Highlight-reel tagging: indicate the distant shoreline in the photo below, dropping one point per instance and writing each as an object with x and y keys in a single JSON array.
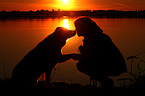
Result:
[{"x": 54, "y": 14}]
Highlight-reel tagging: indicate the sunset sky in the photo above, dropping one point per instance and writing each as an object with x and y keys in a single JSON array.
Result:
[{"x": 24, "y": 5}]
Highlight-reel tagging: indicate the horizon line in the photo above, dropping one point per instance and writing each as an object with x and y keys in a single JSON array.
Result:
[{"x": 73, "y": 10}]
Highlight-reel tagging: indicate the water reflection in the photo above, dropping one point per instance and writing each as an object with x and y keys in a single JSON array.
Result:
[
  {"x": 66, "y": 23},
  {"x": 18, "y": 37}
]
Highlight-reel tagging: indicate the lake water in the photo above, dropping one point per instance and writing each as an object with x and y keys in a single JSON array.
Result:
[{"x": 19, "y": 36}]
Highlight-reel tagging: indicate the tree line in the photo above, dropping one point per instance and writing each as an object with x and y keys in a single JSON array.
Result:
[{"x": 58, "y": 13}]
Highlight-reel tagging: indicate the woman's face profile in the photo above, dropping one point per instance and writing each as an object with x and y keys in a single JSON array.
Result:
[
  {"x": 79, "y": 31},
  {"x": 84, "y": 26}
]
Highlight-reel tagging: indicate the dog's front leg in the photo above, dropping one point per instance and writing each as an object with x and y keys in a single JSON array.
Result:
[{"x": 47, "y": 76}]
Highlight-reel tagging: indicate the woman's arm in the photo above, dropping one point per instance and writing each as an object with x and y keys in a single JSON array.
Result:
[
  {"x": 76, "y": 56},
  {"x": 66, "y": 57}
]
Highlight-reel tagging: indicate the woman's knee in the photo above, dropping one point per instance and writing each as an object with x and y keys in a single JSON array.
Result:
[
  {"x": 106, "y": 82},
  {"x": 83, "y": 69},
  {"x": 79, "y": 68}
]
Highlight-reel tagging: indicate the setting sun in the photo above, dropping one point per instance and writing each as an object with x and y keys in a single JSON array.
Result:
[
  {"x": 65, "y": 1},
  {"x": 64, "y": 5}
]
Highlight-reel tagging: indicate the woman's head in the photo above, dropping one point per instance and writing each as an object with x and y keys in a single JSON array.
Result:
[{"x": 86, "y": 27}]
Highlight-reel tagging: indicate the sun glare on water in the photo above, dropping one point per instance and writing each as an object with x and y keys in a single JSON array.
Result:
[{"x": 66, "y": 23}]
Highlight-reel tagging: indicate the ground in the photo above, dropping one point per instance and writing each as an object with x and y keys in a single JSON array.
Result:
[{"x": 65, "y": 89}]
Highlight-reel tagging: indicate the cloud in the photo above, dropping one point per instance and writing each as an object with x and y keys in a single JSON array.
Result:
[{"x": 121, "y": 4}]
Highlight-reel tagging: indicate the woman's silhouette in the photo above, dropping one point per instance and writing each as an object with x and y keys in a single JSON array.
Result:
[{"x": 99, "y": 57}]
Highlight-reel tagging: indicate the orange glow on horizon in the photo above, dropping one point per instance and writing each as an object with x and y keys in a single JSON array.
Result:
[{"x": 10, "y": 5}]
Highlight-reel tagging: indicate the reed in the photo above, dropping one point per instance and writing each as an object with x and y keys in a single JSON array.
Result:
[{"x": 136, "y": 80}]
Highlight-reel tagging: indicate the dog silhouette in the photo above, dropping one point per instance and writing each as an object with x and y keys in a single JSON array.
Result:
[{"x": 42, "y": 59}]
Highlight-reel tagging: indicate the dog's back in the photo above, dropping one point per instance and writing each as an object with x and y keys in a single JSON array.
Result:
[{"x": 37, "y": 61}]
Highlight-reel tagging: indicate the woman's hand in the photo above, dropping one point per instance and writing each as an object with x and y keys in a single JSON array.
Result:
[
  {"x": 76, "y": 56},
  {"x": 81, "y": 49}
]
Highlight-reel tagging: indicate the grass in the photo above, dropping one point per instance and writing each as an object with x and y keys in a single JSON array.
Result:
[
  {"x": 134, "y": 84},
  {"x": 137, "y": 80}
]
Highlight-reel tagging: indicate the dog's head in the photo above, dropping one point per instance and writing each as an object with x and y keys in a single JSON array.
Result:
[{"x": 63, "y": 33}]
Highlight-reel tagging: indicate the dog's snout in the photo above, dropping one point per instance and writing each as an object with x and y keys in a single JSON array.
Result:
[{"x": 73, "y": 32}]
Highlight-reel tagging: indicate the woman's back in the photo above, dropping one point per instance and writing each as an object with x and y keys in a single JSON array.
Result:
[{"x": 103, "y": 56}]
